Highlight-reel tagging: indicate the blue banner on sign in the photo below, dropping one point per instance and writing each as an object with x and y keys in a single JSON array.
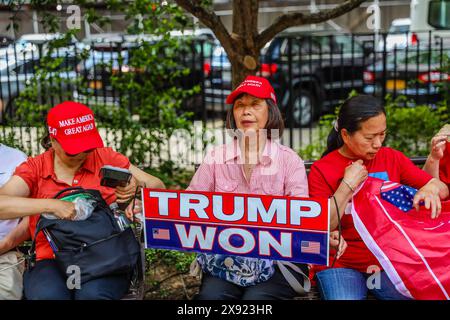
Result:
[{"x": 277, "y": 244}]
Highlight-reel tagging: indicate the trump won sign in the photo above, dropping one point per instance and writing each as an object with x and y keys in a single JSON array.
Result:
[{"x": 260, "y": 226}]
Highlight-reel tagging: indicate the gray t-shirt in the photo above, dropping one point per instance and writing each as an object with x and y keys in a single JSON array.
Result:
[{"x": 10, "y": 158}]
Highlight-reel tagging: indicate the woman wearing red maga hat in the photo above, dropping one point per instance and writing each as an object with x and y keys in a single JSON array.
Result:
[
  {"x": 75, "y": 153},
  {"x": 254, "y": 162}
]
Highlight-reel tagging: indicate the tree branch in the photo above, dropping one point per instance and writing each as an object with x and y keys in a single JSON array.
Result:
[
  {"x": 296, "y": 19},
  {"x": 209, "y": 19}
]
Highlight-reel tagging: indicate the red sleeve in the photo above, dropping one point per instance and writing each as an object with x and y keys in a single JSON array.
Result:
[
  {"x": 114, "y": 158},
  {"x": 444, "y": 166},
  {"x": 410, "y": 174},
  {"x": 318, "y": 186},
  {"x": 29, "y": 172}
]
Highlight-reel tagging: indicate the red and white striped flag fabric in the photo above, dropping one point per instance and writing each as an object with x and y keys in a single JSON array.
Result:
[{"x": 412, "y": 248}]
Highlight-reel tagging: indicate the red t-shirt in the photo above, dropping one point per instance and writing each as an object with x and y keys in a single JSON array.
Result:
[
  {"x": 39, "y": 174},
  {"x": 444, "y": 166},
  {"x": 326, "y": 175}
]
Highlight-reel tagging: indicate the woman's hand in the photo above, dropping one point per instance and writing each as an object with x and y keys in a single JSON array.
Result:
[
  {"x": 355, "y": 174},
  {"x": 429, "y": 193},
  {"x": 125, "y": 194},
  {"x": 438, "y": 146},
  {"x": 62, "y": 209},
  {"x": 130, "y": 212},
  {"x": 334, "y": 242}
]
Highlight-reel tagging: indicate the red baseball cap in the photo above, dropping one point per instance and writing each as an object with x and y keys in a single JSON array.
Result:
[
  {"x": 256, "y": 86},
  {"x": 72, "y": 124}
]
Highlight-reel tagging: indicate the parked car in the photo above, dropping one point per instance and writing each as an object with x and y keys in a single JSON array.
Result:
[
  {"x": 398, "y": 35},
  {"x": 416, "y": 73},
  {"x": 17, "y": 73},
  {"x": 430, "y": 16},
  {"x": 310, "y": 73}
]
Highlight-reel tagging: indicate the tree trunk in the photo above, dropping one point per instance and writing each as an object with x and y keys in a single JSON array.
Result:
[
  {"x": 243, "y": 65},
  {"x": 245, "y": 42}
]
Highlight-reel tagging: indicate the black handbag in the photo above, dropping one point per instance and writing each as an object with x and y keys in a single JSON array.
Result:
[{"x": 97, "y": 245}]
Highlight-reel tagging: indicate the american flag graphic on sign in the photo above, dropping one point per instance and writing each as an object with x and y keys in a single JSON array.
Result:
[
  {"x": 310, "y": 247},
  {"x": 161, "y": 234}
]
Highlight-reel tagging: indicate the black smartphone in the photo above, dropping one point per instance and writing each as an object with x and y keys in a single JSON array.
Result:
[{"x": 114, "y": 177}]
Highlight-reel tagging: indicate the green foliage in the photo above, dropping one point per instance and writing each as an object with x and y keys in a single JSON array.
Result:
[
  {"x": 410, "y": 127},
  {"x": 180, "y": 260},
  {"x": 150, "y": 98}
]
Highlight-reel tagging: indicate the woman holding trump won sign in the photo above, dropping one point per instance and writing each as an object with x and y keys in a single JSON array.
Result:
[{"x": 254, "y": 162}]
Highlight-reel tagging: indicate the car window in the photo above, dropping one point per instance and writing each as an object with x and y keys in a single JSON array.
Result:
[
  {"x": 399, "y": 29},
  {"x": 439, "y": 14},
  {"x": 420, "y": 58},
  {"x": 346, "y": 44},
  {"x": 29, "y": 67},
  {"x": 303, "y": 45}
]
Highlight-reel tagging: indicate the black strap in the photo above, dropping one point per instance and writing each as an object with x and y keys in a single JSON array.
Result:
[
  {"x": 32, "y": 251},
  {"x": 71, "y": 189}
]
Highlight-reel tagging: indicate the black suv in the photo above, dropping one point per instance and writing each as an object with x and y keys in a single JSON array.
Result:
[{"x": 310, "y": 72}]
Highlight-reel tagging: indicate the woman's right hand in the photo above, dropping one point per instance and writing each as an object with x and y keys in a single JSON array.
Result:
[
  {"x": 62, "y": 209},
  {"x": 355, "y": 174}
]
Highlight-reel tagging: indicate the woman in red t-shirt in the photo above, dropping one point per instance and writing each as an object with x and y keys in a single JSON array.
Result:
[
  {"x": 74, "y": 158},
  {"x": 438, "y": 161},
  {"x": 355, "y": 152}
]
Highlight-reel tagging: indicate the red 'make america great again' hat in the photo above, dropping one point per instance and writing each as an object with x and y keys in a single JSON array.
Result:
[
  {"x": 256, "y": 86},
  {"x": 72, "y": 124}
]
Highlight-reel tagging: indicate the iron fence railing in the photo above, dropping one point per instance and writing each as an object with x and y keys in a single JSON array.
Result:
[{"x": 312, "y": 73}]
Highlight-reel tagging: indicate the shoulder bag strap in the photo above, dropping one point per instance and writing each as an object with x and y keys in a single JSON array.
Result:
[{"x": 292, "y": 280}]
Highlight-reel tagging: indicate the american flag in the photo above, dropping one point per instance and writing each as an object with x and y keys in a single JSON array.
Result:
[
  {"x": 161, "y": 234},
  {"x": 310, "y": 247},
  {"x": 399, "y": 195}
]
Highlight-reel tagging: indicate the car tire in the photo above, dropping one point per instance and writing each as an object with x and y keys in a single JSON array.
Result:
[{"x": 303, "y": 108}]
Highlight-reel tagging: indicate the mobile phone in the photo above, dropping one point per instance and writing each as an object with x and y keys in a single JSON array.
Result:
[{"x": 114, "y": 177}]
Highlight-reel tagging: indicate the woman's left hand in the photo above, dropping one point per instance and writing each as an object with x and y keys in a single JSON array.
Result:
[
  {"x": 130, "y": 211},
  {"x": 430, "y": 195},
  {"x": 125, "y": 194},
  {"x": 334, "y": 242}
]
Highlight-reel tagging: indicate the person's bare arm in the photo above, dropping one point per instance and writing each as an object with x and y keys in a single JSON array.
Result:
[
  {"x": 354, "y": 175},
  {"x": 140, "y": 178},
  {"x": 16, "y": 237},
  {"x": 436, "y": 153},
  {"x": 146, "y": 179},
  {"x": 15, "y": 204}
]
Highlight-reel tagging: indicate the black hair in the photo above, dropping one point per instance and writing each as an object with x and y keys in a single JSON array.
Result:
[
  {"x": 45, "y": 140},
  {"x": 353, "y": 112}
]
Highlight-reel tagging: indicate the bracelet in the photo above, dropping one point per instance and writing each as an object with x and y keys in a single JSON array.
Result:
[{"x": 348, "y": 185}]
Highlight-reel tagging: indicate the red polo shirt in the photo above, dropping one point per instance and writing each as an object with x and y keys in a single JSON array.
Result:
[{"x": 39, "y": 174}]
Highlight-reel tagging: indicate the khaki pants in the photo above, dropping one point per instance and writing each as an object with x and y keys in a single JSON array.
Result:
[{"x": 11, "y": 271}]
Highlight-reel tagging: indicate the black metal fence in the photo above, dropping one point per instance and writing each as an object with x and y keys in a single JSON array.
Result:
[{"x": 312, "y": 73}]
